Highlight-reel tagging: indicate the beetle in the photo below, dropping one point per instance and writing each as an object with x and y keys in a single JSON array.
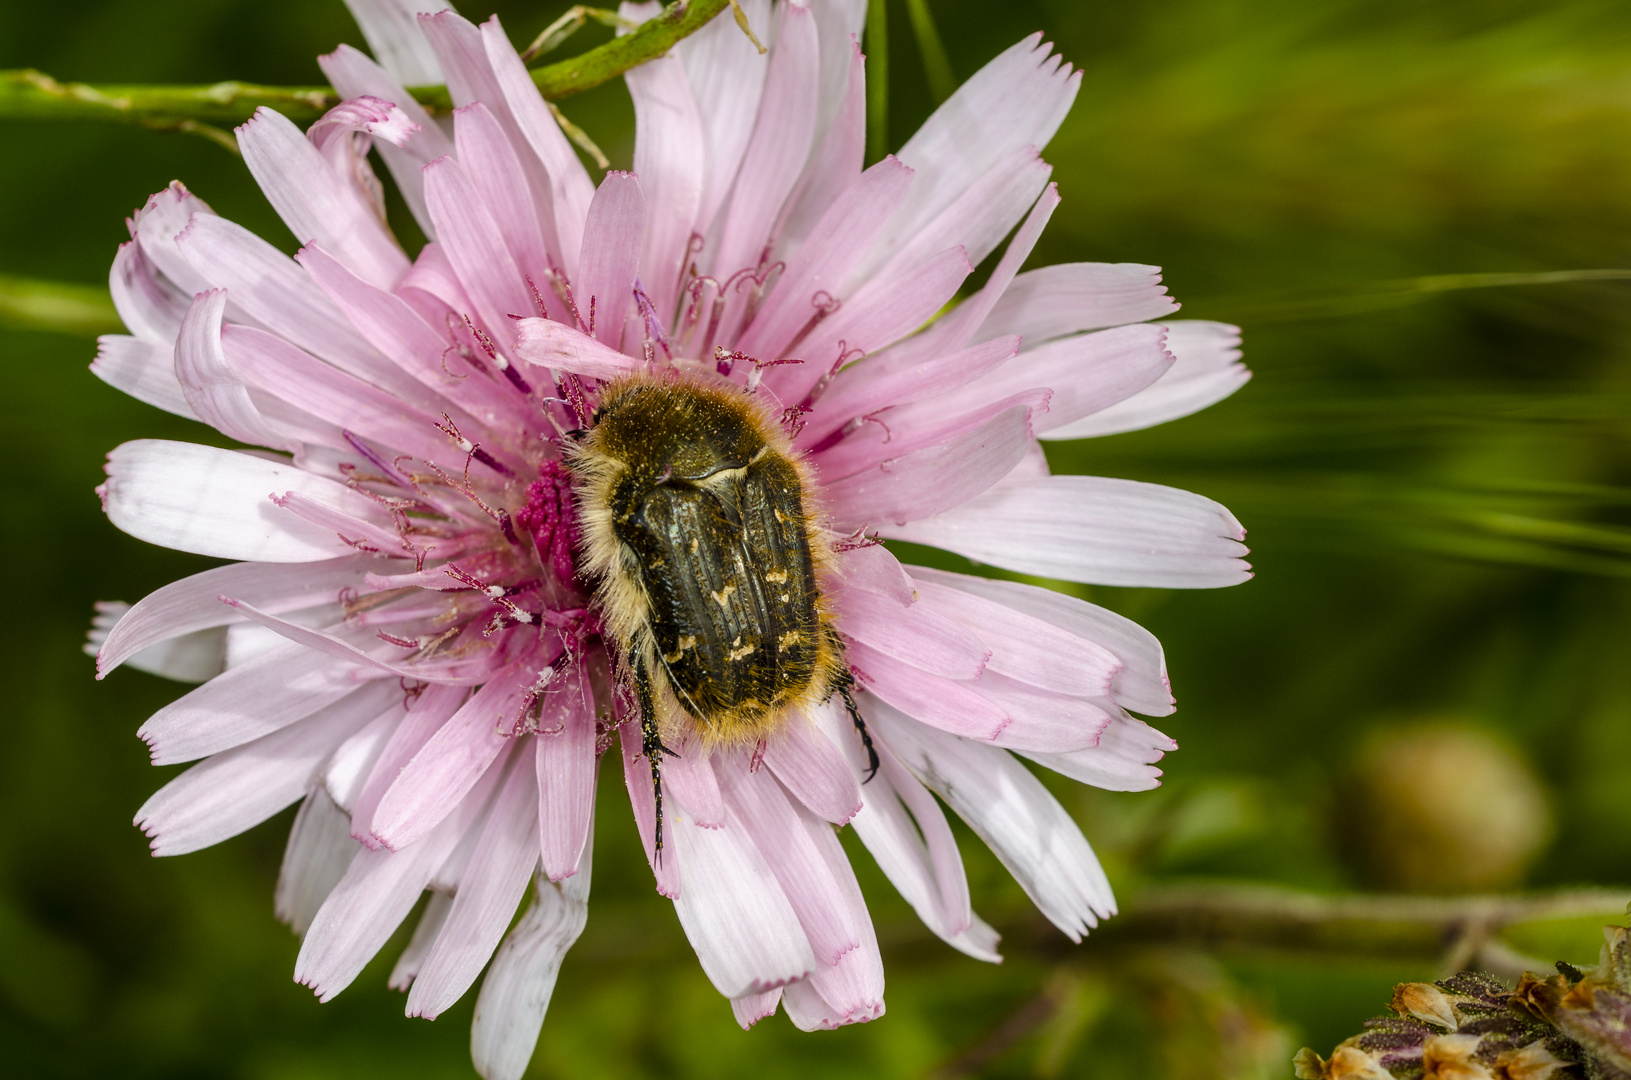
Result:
[{"x": 696, "y": 519}]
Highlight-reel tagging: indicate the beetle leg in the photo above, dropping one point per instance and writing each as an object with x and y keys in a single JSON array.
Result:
[
  {"x": 651, "y": 740},
  {"x": 846, "y": 681}
]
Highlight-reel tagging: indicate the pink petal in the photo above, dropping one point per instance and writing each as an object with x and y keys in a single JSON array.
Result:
[
  {"x": 1086, "y": 373},
  {"x": 355, "y": 75},
  {"x": 814, "y": 771},
  {"x": 155, "y": 228},
  {"x": 453, "y": 760},
  {"x": 689, "y": 778},
  {"x": 1123, "y": 760},
  {"x": 558, "y": 347},
  {"x": 752, "y": 1008},
  {"x": 735, "y": 914},
  {"x": 253, "y": 699},
  {"x": 315, "y": 202},
  {"x": 1207, "y": 370},
  {"x": 873, "y": 568},
  {"x": 851, "y": 991},
  {"x": 958, "y": 328},
  {"x": 670, "y": 159},
  {"x": 894, "y": 433},
  {"x": 218, "y": 502},
  {"x": 148, "y": 303},
  {"x": 347, "y": 770},
  {"x": 957, "y": 707},
  {"x": 194, "y": 657},
  {"x": 494, "y": 884},
  {"x": 840, "y": 125},
  {"x": 491, "y": 163},
  {"x": 828, "y": 915},
  {"x": 874, "y": 316},
  {"x": 428, "y": 712},
  {"x": 1141, "y": 684},
  {"x": 565, "y": 766},
  {"x": 897, "y": 377},
  {"x": 610, "y": 259},
  {"x": 916, "y": 634},
  {"x": 935, "y": 479},
  {"x": 240, "y": 788},
  {"x": 1026, "y": 647},
  {"x": 1018, "y": 99},
  {"x": 1010, "y": 810},
  {"x": 521, "y": 980},
  {"x": 475, "y": 246},
  {"x": 567, "y": 182},
  {"x": 319, "y": 850},
  {"x": 781, "y": 142},
  {"x": 814, "y": 275},
  {"x": 1093, "y": 529},
  {"x": 378, "y": 891},
  {"x": 1042, "y": 722},
  {"x": 1069, "y": 297},
  {"x": 637, "y": 779},
  {"x": 216, "y": 395},
  {"x": 193, "y": 603},
  {"x": 727, "y": 76},
  {"x": 146, "y": 370},
  {"x": 337, "y": 646}
]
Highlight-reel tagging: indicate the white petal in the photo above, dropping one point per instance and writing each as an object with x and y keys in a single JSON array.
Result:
[
  {"x": 392, "y": 31},
  {"x": 1123, "y": 760},
  {"x": 319, "y": 850},
  {"x": 1208, "y": 369},
  {"x": 1013, "y": 813},
  {"x": 736, "y": 916},
  {"x": 1093, "y": 529},
  {"x": 727, "y": 78},
  {"x": 146, "y": 370},
  {"x": 515, "y": 995},
  {"x": 217, "y": 396},
  {"x": 219, "y": 502},
  {"x": 1068, "y": 297},
  {"x": 430, "y": 924}
]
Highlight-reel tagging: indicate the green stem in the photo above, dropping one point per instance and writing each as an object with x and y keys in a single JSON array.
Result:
[
  {"x": 33, "y": 95},
  {"x": 877, "y": 79},
  {"x": 54, "y": 305},
  {"x": 936, "y": 65}
]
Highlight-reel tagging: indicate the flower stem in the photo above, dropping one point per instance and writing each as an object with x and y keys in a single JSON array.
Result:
[
  {"x": 53, "y": 305},
  {"x": 34, "y": 95}
]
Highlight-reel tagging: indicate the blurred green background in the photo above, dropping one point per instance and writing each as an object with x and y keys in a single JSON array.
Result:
[{"x": 1437, "y": 495}]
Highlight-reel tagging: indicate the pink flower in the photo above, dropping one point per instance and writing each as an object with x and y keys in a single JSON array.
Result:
[{"x": 405, "y": 638}]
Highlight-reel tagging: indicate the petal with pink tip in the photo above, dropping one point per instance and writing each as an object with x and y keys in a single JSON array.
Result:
[
  {"x": 752, "y": 1008},
  {"x": 1014, "y": 814},
  {"x": 315, "y": 202},
  {"x": 872, "y": 567},
  {"x": 690, "y": 779},
  {"x": 565, "y": 766},
  {"x": 1141, "y": 684},
  {"x": 1070, "y": 297},
  {"x": 208, "y": 501},
  {"x": 559, "y": 347},
  {"x": 238, "y": 789},
  {"x": 1093, "y": 529},
  {"x": 149, "y": 304},
  {"x": 1123, "y": 760},
  {"x": 493, "y": 886},
  {"x": 1207, "y": 370},
  {"x": 146, "y": 370},
  {"x": 1042, "y": 722},
  {"x": 735, "y": 914}
]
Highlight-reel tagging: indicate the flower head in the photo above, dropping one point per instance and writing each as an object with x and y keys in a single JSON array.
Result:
[{"x": 417, "y": 636}]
